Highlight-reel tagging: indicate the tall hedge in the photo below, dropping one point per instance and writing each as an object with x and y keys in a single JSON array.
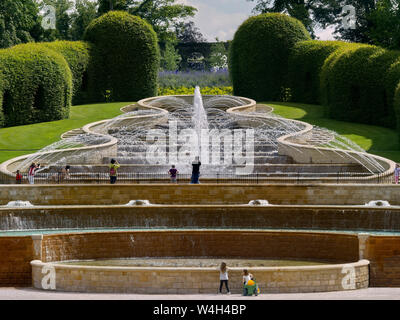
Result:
[
  {"x": 2, "y": 86},
  {"x": 77, "y": 55},
  {"x": 125, "y": 57},
  {"x": 305, "y": 64},
  {"x": 354, "y": 85},
  {"x": 396, "y": 106},
  {"x": 38, "y": 85},
  {"x": 259, "y": 53}
]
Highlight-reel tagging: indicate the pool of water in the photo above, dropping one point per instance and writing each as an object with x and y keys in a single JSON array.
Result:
[
  {"x": 191, "y": 262},
  {"x": 61, "y": 231}
]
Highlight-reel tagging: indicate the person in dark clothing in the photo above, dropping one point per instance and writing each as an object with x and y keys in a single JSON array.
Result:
[
  {"x": 195, "y": 171},
  {"x": 173, "y": 173}
]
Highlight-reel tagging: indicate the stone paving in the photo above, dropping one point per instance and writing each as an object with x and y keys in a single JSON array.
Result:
[{"x": 362, "y": 294}]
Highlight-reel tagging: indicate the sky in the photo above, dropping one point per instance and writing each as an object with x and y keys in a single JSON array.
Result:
[{"x": 221, "y": 18}]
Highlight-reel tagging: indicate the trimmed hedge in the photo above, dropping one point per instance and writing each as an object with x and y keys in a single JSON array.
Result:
[
  {"x": 355, "y": 87},
  {"x": 305, "y": 64},
  {"x": 396, "y": 106},
  {"x": 38, "y": 85},
  {"x": 2, "y": 86},
  {"x": 125, "y": 57},
  {"x": 259, "y": 53},
  {"x": 77, "y": 55}
]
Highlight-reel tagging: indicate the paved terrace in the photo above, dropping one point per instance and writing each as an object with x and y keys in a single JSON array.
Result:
[{"x": 362, "y": 294}]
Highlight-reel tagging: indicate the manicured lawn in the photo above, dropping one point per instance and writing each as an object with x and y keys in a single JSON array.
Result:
[
  {"x": 376, "y": 140},
  {"x": 19, "y": 140}
]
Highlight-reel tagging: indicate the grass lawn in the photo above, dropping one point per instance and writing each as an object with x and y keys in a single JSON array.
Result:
[
  {"x": 16, "y": 141},
  {"x": 376, "y": 140}
]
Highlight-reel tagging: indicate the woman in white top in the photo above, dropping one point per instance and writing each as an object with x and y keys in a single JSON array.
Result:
[
  {"x": 246, "y": 277},
  {"x": 223, "y": 277}
]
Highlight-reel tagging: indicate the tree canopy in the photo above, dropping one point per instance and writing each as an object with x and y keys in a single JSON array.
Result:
[{"x": 19, "y": 22}]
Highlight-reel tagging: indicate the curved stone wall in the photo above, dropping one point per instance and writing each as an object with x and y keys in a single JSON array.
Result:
[
  {"x": 339, "y": 251},
  {"x": 151, "y": 280}
]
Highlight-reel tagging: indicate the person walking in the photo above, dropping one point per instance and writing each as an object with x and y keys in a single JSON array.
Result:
[
  {"x": 173, "y": 172},
  {"x": 195, "y": 171},
  {"x": 114, "y": 165},
  {"x": 397, "y": 174},
  {"x": 31, "y": 172},
  {"x": 223, "y": 278}
]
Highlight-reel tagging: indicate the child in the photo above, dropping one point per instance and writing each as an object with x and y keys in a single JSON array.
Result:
[
  {"x": 18, "y": 177},
  {"x": 223, "y": 277},
  {"x": 172, "y": 173},
  {"x": 114, "y": 165},
  {"x": 246, "y": 278},
  {"x": 396, "y": 174}
]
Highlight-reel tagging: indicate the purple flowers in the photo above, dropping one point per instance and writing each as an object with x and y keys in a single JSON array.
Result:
[{"x": 176, "y": 79}]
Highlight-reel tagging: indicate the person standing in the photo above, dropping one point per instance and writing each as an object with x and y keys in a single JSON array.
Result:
[
  {"x": 18, "y": 177},
  {"x": 195, "y": 171},
  {"x": 31, "y": 172},
  {"x": 173, "y": 172},
  {"x": 396, "y": 174},
  {"x": 246, "y": 278},
  {"x": 114, "y": 165},
  {"x": 223, "y": 277}
]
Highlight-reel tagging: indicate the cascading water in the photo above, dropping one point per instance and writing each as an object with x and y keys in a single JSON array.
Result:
[{"x": 199, "y": 119}]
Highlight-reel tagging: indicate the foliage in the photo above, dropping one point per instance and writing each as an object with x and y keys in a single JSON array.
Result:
[
  {"x": 259, "y": 53},
  {"x": 38, "y": 85},
  {"x": 219, "y": 56},
  {"x": 19, "y": 22},
  {"x": 187, "y": 32},
  {"x": 77, "y": 55},
  {"x": 305, "y": 63},
  {"x": 85, "y": 12},
  {"x": 385, "y": 28},
  {"x": 125, "y": 57},
  {"x": 63, "y": 18},
  {"x": 170, "y": 57},
  {"x": 163, "y": 15},
  {"x": 355, "y": 85},
  {"x": 312, "y": 13}
]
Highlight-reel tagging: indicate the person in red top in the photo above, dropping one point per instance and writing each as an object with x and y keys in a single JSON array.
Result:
[{"x": 18, "y": 177}]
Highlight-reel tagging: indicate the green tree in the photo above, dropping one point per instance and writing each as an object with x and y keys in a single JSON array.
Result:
[
  {"x": 163, "y": 15},
  {"x": 385, "y": 20},
  {"x": 311, "y": 13},
  {"x": 187, "y": 32},
  {"x": 363, "y": 23},
  {"x": 63, "y": 19},
  {"x": 108, "y": 5},
  {"x": 85, "y": 12},
  {"x": 19, "y": 22},
  {"x": 218, "y": 58},
  {"x": 170, "y": 57}
]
